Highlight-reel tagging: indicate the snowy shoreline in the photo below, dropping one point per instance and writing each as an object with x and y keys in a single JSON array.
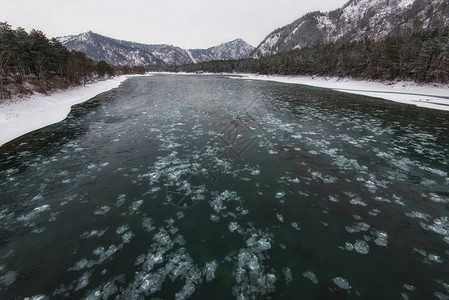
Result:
[
  {"x": 433, "y": 96},
  {"x": 21, "y": 116},
  {"x": 427, "y": 95}
]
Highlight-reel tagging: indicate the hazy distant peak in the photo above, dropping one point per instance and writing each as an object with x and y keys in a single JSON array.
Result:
[{"x": 119, "y": 52}]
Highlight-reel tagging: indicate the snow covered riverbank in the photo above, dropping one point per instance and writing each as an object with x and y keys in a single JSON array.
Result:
[
  {"x": 426, "y": 95},
  {"x": 20, "y": 116},
  {"x": 434, "y": 96}
]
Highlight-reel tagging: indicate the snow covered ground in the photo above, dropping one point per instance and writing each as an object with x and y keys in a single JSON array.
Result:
[
  {"x": 429, "y": 96},
  {"x": 20, "y": 116}
]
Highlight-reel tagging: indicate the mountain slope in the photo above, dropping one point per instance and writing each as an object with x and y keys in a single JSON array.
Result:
[
  {"x": 232, "y": 50},
  {"x": 356, "y": 20},
  {"x": 118, "y": 52}
]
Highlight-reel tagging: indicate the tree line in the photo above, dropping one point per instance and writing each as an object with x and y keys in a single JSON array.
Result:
[
  {"x": 420, "y": 56},
  {"x": 45, "y": 63}
]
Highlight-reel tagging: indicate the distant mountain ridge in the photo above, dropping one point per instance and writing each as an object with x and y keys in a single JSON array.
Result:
[
  {"x": 235, "y": 49},
  {"x": 356, "y": 20},
  {"x": 118, "y": 52}
]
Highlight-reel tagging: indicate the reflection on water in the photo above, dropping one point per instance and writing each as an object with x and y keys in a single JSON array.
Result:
[{"x": 217, "y": 188}]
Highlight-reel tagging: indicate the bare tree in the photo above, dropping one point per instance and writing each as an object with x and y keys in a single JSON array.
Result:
[{"x": 5, "y": 55}]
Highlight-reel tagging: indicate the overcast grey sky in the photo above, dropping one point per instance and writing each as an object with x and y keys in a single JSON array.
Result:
[{"x": 188, "y": 24}]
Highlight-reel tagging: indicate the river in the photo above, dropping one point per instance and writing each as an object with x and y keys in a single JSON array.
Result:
[{"x": 213, "y": 187}]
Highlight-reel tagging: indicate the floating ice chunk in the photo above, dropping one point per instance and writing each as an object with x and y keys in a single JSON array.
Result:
[
  {"x": 440, "y": 226},
  {"x": 420, "y": 252},
  {"x": 120, "y": 200},
  {"x": 374, "y": 212},
  {"x": 341, "y": 283},
  {"x": 437, "y": 198},
  {"x": 152, "y": 283},
  {"x": 214, "y": 218},
  {"x": 233, "y": 226},
  {"x": 122, "y": 229},
  {"x": 434, "y": 171},
  {"x": 361, "y": 247},
  {"x": 434, "y": 258},
  {"x": 296, "y": 226},
  {"x": 381, "y": 238},
  {"x": 444, "y": 284},
  {"x": 428, "y": 182},
  {"x": 311, "y": 276},
  {"x": 349, "y": 246},
  {"x": 418, "y": 215},
  {"x": 441, "y": 296},
  {"x": 409, "y": 287},
  {"x": 255, "y": 172},
  {"x": 83, "y": 281},
  {"x": 134, "y": 207},
  {"x": 102, "y": 210},
  {"x": 103, "y": 292},
  {"x": 31, "y": 215},
  {"x": 92, "y": 233},
  {"x": 126, "y": 238},
  {"x": 9, "y": 278},
  {"x": 280, "y": 218},
  {"x": 155, "y": 189},
  {"x": 209, "y": 270},
  {"x": 398, "y": 200},
  {"x": 287, "y": 275},
  {"x": 83, "y": 263},
  {"x": 148, "y": 224},
  {"x": 357, "y": 201},
  {"x": 37, "y": 297},
  {"x": 263, "y": 244},
  {"x": 358, "y": 227},
  {"x": 333, "y": 198},
  {"x": 279, "y": 195},
  {"x": 242, "y": 211},
  {"x": 381, "y": 199},
  {"x": 42, "y": 208},
  {"x": 253, "y": 263},
  {"x": 187, "y": 290},
  {"x": 295, "y": 180}
]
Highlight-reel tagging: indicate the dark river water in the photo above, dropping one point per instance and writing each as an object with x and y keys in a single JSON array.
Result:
[{"x": 211, "y": 187}]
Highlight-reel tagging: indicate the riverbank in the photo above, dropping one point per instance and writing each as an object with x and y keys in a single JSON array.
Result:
[
  {"x": 433, "y": 96},
  {"x": 21, "y": 116},
  {"x": 423, "y": 95}
]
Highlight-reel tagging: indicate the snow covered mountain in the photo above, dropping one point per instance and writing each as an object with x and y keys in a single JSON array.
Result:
[
  {"x": 232, "y": 50},
  {"x": 356, "y": 20},
  {"x": 118, "y": 52}
]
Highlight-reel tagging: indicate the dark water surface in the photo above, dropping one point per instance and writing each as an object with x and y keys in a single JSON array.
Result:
[{"x": 211, "y": 187}]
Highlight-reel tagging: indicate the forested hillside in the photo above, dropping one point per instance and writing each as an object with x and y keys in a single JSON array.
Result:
[
  {"x": 355, "y": 21},
  {"x": 421, "y": 56},
  {"x": 31, "y": 62}
]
